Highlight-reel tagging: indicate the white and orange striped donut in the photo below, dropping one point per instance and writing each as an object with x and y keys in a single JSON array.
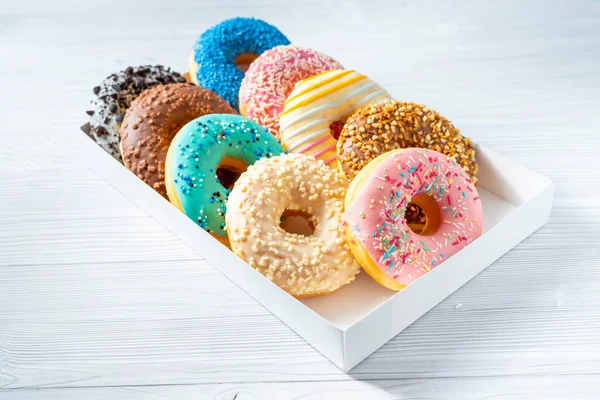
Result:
[{"x": 316, "y": 110}]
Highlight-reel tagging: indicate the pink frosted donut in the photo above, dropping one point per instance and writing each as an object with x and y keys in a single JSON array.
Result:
[
  {"x": 271, "y": 78},
  {"x": 380, "y": 238}
]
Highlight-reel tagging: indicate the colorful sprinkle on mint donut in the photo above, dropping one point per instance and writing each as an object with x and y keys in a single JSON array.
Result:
[{"x": 198, "y": 157}]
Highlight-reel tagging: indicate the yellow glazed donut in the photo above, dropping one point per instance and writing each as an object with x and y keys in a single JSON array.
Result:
[
  {"x": 292, "y": 183},
  {"x": 316, "y": 110}
]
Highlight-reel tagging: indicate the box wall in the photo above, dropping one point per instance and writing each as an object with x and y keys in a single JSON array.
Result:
[
  {"x": 318, "y": 332},
  {"x": 410, "y": 304},
  {"x": 348, "y": 347}
]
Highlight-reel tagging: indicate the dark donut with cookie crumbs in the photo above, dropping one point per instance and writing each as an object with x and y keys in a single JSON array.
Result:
[
  {"x": 115, "y": 94},
  {"x": 154, "y": 118},
  {"x": 391, "y": 125}
]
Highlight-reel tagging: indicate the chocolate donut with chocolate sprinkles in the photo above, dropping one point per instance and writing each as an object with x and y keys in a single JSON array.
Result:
[
  {"x": 114, "y": 95},
  {"x": 152, "y": 121}
]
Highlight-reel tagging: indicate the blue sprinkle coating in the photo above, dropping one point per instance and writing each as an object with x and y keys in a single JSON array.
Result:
[{"x": 216, "y": 50}]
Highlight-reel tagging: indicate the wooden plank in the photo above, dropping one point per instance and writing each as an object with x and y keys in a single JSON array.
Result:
[
  {"x": 58, "y": 214},
  {"x": 583, "y": 387},
  {"x": 162, "y": 319}
]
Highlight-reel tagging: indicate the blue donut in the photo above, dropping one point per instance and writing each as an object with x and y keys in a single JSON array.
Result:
[{"x": 216, "y": 49}]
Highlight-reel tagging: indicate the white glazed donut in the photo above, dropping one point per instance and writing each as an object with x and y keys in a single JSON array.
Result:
[{"x": 301, "y": 265}]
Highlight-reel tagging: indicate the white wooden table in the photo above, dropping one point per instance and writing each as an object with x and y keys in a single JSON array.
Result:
[{"x": 98, "y": 301}]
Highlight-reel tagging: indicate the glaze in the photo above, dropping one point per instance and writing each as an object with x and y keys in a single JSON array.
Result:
[
  {"x": 195, "y": 155},
  {"x": 153, "y": 119},
  {"x": 320, "y": 102},
  {"x": 301, "y": 265},
  {"x": 271, "y": 78},
  {"x": 380, "y": 237}
]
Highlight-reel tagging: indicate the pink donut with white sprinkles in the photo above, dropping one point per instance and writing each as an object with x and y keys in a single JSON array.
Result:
[
  {"x": 271, "y": 78},
  {"x": 392, "y": 252}
]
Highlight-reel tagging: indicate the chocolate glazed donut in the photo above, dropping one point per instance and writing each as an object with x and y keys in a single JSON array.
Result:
[{"x": 153, "y": 120}]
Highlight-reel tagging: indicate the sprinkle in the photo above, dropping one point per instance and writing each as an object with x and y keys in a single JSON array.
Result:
[
  {"x": 389, "y": 234},
  {"x": 212, "y": 57},
  {"x": 194, "y": 177}
]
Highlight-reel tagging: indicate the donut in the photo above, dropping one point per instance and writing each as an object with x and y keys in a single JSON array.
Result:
[
  {"x": 153, "y": 119},
  {"x": 200, "y": 152},
  {"x": 378, "y": 234},
  {"x": 271, "y": 78},
  {"x": 114, "y": 95},
  {"x": 301, "y": 265},
  {"x": 393, "y": 124},
  {"x": 220, "y": 49},
  {"x": 317, "y": 108}
]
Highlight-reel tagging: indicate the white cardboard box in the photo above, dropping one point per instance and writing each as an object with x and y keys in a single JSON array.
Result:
[{"x": 351, "y": 323}]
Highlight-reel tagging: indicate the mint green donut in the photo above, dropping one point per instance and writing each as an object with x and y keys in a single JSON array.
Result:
[{"x": 194, "y": 156}]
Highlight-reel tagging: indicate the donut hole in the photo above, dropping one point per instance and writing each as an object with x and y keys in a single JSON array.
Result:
[
  {"x": 229, "y": 170},
  {"x": 297, "y": 222},
  {"x": 423, "y": 215},
  {"x": 335, "y": 129},
  {"x": 415, "y": 217},
  {"x": 243, "y": 61}
]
